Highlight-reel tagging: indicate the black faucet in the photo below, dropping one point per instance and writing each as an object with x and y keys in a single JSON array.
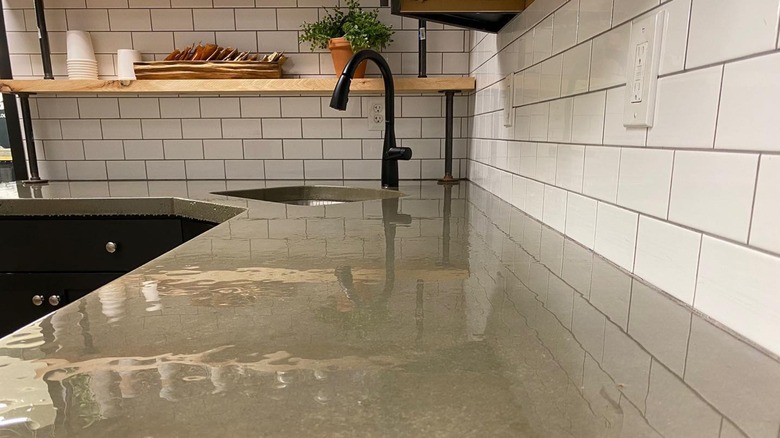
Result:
[{"x": 390, "y": 152}]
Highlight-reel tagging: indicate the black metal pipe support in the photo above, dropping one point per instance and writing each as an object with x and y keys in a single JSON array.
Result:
[
  {"x": 449, "y": 115},
  {"x": 422, "y": 48},
  {"x": 11, "y": 110},
  {"x": 43, "y": 39},
  {"x": 29, "y": 138}
]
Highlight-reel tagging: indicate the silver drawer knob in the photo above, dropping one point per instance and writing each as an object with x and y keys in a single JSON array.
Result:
[
  {"x": 111, "y": 247},
  {"x": 37, "y": 300},
  {"x": 54, "y": 300}
]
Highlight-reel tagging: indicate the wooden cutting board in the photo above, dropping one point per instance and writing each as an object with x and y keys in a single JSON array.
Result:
[{"x": 208, "y": 70}]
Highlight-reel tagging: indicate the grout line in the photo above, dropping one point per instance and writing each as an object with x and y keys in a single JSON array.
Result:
[
  {"x": 755, "y": 195},
  {"x": 671, "y": 183}
]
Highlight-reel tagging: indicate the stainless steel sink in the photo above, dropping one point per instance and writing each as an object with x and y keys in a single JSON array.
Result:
[{"x": 313, "y": 195}]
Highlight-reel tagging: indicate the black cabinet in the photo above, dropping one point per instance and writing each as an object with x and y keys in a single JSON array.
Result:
[
  {"x": 27, "y": 297},
  {"x": 48, "y": 262}
]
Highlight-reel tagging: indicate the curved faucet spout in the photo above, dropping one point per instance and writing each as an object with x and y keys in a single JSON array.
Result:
[{"x": 390, "y": 152}]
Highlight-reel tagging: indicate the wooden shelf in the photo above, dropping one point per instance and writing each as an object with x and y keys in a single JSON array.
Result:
[{"x": 232, "y": 86}]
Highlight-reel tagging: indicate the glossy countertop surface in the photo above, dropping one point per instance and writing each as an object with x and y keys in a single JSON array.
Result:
[{"x": 445, "y": 313}]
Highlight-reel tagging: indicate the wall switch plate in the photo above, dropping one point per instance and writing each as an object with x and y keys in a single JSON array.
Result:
[
  {"x": 376, "y": 114},
  {"x": 507, "y": 93},
  {"x": 644, "y": 57}
]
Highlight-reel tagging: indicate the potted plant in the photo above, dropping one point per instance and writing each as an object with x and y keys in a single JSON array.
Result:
[{"x": 345, "y": 33}]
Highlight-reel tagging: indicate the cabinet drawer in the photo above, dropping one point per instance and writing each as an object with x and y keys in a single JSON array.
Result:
[
  {"x": 84, "y": 244},
  {"x": 27, "y": 297}
]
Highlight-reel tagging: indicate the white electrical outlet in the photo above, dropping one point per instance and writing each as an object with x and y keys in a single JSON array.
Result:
[
  {"x": 642, "y": 70},
  {"x": 376, "y": 114}
]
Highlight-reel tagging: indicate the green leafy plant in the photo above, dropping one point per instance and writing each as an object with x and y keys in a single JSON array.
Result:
[{"x": 361, "y": 28}]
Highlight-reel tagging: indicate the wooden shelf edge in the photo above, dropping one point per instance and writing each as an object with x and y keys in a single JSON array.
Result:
[{"x": 232, "y": 86}]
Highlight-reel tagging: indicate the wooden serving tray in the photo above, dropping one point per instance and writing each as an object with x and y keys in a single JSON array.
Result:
[{"x": 208, "y": 70}]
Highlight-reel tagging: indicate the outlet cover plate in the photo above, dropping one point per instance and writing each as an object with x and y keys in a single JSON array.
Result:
[{"x": 376, "y": 113}]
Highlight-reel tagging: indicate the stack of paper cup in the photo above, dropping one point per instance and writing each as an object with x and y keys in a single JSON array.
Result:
[
  {"x": 124, "y": 63},
  {"x": 81, "y": 56}
]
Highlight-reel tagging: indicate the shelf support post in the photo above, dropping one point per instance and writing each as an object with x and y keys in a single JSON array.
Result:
[
  {"x": 449, "y": 97},
  {"x": 29, "y": 139},
  {"x": 422, "y": 48},
  {"x": 43, "y": 39}
]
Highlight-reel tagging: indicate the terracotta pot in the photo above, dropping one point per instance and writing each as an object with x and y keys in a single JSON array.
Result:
[{"x": 341, "y": 52}]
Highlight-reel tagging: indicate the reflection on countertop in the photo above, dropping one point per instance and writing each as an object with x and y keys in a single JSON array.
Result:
[{"x": 475, "y": 320}]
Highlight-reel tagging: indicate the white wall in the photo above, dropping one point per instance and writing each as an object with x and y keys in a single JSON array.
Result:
[
  {"x": 691, "y": 204},
  {"x": 131, "y": 138}
]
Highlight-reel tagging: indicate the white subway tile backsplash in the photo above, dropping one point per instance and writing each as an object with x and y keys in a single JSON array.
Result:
[
  {"x": 63, "y": 108},
  {"x": 595, "y": 17},
  {"x": 713, "y": 25},
  {"x": 223, "y": 149},
  {"x": 202, "y": 128},
  {"x": 668, "y": 256},
  {"x": 614, "y": 131},
  {"x": 645, "y": 180},
  {"x": 86, "y": 170},
  {"x": 602, "y": 167},
  {"x": 242, "y": 128},
  {"x": 103, "y": 150},
  {"x": 121, "y": 129},
  {"x": 183, "y": 149},
  {"x": 97, "y": 108},
  {"x": 263, "y": 149},
  {"x": 608, "y": 60},
  {"x": 284, "y": 169},
  {"x": 244, "y": 169},
  {"x": 213, "y": 19},
  {"x": 565, "y": 26},
  {"x": 167, "y": 170},
  {"x": 321, "y": 128},
  {"x": 576, "y": 69},
  {"x": 81, "y": 129},
  {"x": 126, "y": 170},
  {"x": 300, "y": 149},
  {"x": 281, "y": 128},
  {"x": 260, "y": 107},
  {"x": 300, "y": 106},
  {"x": 766, "y": 213},
  {"x": 171, "y": 19},
  {"x": 737, "y": 286},
  {"x": 588, "y": 118},
  {"x": 543, "y": 38},
  {"x": 291, "y": 19},
  {"x": 687, "y": 107},
  {"x": 550, "y": 79},
  {"x": 130, "y": 19},
  {"x": 255, "y": 19},
  {"x": 581, "y": 219},
  {"x": 322, "y": 169},
  {"x": 750, "y": 100},
  {"x": 63, "y": 149},
  {"x": 627, "y": 9},
  {"x": 160, "y": 129},
  {"x": 139, "y": 108},
  {"x": 205, "y": 169},
  {"x": 143, "y": 149},
  {"x": 222, "y": 107},
  {"x": 616, "y": 234},
  {"x": 554, "y": 208},
  {"x": 713, "y": 192},
  {"x": 571, "y": 165},
  {"x": 176, "y": 107},
  {"x": 560, "y": 121}
]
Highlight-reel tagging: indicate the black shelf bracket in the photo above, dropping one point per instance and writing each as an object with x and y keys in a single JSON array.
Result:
[
  {"x": 449, "y": 116},
  {"x": 43, "y": 39},
  {"x": 29, "y": 139}
]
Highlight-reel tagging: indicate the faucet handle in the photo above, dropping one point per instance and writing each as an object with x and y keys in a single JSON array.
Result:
[{"x": 399, "y": 153}]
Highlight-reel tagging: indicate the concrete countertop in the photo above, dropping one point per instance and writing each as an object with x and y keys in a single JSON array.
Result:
[{"x": 300, "y": 321}]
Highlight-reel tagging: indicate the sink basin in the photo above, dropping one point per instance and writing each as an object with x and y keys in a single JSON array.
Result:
[{"x": 313, "y": 195}]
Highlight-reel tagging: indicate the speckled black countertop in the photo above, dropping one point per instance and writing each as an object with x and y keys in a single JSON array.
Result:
[{"x": 300, "y": 321}]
